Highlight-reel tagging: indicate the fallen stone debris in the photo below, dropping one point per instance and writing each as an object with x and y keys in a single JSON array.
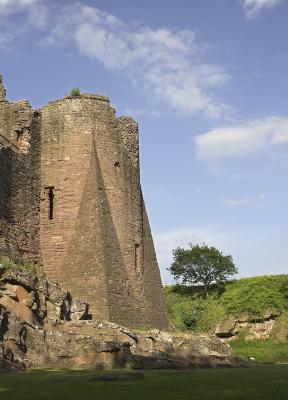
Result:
[{"x": 42, "y": 325}]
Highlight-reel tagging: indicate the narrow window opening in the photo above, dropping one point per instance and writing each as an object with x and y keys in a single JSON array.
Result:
[
  {"x": 117, "y": 166},
  {"x": 50, "y": 203}
]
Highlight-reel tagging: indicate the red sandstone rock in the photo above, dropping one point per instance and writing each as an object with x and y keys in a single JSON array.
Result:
[
  {"x": 22, "y": 294},
  {"x": 58, "y": 342},
  {"x": 22, "y": 311}
]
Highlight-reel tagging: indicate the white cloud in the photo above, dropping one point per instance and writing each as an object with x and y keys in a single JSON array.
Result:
[
  {"x": 259, "y": 201},
  {"x": 253, "y": 7},
  {"x": 166, "y": 65},
  {"x": 35, "y": 16},
  {"x": 237, "y": 202},
  {"x": 262, "y": 196},
  {"x": 11, "y": 6},
  {"x": 242, "y": 139}
]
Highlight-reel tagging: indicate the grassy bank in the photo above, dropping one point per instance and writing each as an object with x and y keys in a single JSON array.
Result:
[
  {"x": 215, "y": 384},
  {"x": 264, "y": 351},
  {"x": 248, "y": 299},
  {"x": 253, "y": 297}
]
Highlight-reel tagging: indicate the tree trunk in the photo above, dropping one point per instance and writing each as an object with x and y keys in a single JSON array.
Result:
[{"x": 206, "y": 291}]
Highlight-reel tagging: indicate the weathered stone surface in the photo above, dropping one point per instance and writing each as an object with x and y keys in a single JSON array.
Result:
[
  {"x": 53, "y": 311},
  {"x": 9, "y": 366},
  {"x": 22, "y": 311},
  {"x": 45, "y": 336},
  {"x": 23, "y": 296},
  {"x": 78, "y": 310},
  {"x": 71, "y": 201},
  {"x": 226, "y": 329},
  {"x": 10, "y": 290},
  {"x": 254, "y": 328},
  {"x": 21, "y": 277}
]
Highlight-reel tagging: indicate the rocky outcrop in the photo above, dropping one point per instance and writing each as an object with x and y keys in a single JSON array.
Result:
[
  {"x": 41, "y": 325},
  {"x": 251, "y": 327}
]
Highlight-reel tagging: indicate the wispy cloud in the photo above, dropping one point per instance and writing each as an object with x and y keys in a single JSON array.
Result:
[
  {"x": 242, "y": 139},
  {"x": 166, "y": 65},
  {"x": 237, "y": 202},
  {"x": 34, "y": 14},
  {"x": 259, "y": 201},
  {"x": 253, "y": 7},
  {"x": 36, "y": 10}
]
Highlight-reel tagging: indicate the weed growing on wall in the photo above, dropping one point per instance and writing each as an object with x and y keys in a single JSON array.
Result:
[{"x": 75, "y": 92}]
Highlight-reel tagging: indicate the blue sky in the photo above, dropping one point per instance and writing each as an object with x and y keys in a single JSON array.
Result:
[{"x": 206, "y": 80}]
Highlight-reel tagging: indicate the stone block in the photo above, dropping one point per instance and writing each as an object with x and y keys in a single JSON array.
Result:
[
  {"x": 23, "y": 294},
  {"x": 78, "y": 310},
  {"x": 10, "y": 290},
  {"x": 19, "y": 309}
]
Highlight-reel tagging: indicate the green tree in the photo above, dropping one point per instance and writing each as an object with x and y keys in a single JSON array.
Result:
[{"x": 201, "y": 264}]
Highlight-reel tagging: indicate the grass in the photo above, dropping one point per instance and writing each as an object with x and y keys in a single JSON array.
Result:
[
  {"x": 264, "y": 351},
  {"x": 255, "y": 296},
  {"x": 215, "y": 384},
  {"x": 251, "y": 297}
]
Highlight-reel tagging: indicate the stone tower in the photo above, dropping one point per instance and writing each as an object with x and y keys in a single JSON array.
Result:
[{"x": 72, "y": 202}]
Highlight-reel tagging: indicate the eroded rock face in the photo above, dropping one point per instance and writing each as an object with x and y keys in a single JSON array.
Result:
[
  {"x": 255, "y": 328},
  {"x": 41, "y": 325},
  {"x": 226, "y": 329}
]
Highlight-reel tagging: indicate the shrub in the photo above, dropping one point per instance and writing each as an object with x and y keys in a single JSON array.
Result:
[
  {"x": 280, "y": 328},
  {"x": 254, "y": 296},
  {"x": 192, "y": 312},
  {"x": 13, "y": 262},
  {"x": 188, "y": 308},
  {"x": 75, "y": 92}
]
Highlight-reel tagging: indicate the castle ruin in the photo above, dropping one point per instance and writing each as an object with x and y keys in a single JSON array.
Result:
[{"x": 71, "y": 202}]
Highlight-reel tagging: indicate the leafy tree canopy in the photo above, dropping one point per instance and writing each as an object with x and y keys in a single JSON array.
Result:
[{"x": 201, "y": 264}]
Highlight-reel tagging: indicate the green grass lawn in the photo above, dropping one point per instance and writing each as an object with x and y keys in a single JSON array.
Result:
[{"x": 214, "y": 384}]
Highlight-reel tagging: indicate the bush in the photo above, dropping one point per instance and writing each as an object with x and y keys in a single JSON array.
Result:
[
  {"x": 280, "y": 328},
  {"x": 192, "y": 312},
  {"x": 75, "y": 92},
  {"x": 14, "y": 262},
  {"x": 255, "y": 296}
]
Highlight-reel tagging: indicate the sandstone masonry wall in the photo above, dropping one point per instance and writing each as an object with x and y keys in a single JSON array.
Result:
[
  {"x": 71, "y": 196},
  {"x": 19, "y": 179}
]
